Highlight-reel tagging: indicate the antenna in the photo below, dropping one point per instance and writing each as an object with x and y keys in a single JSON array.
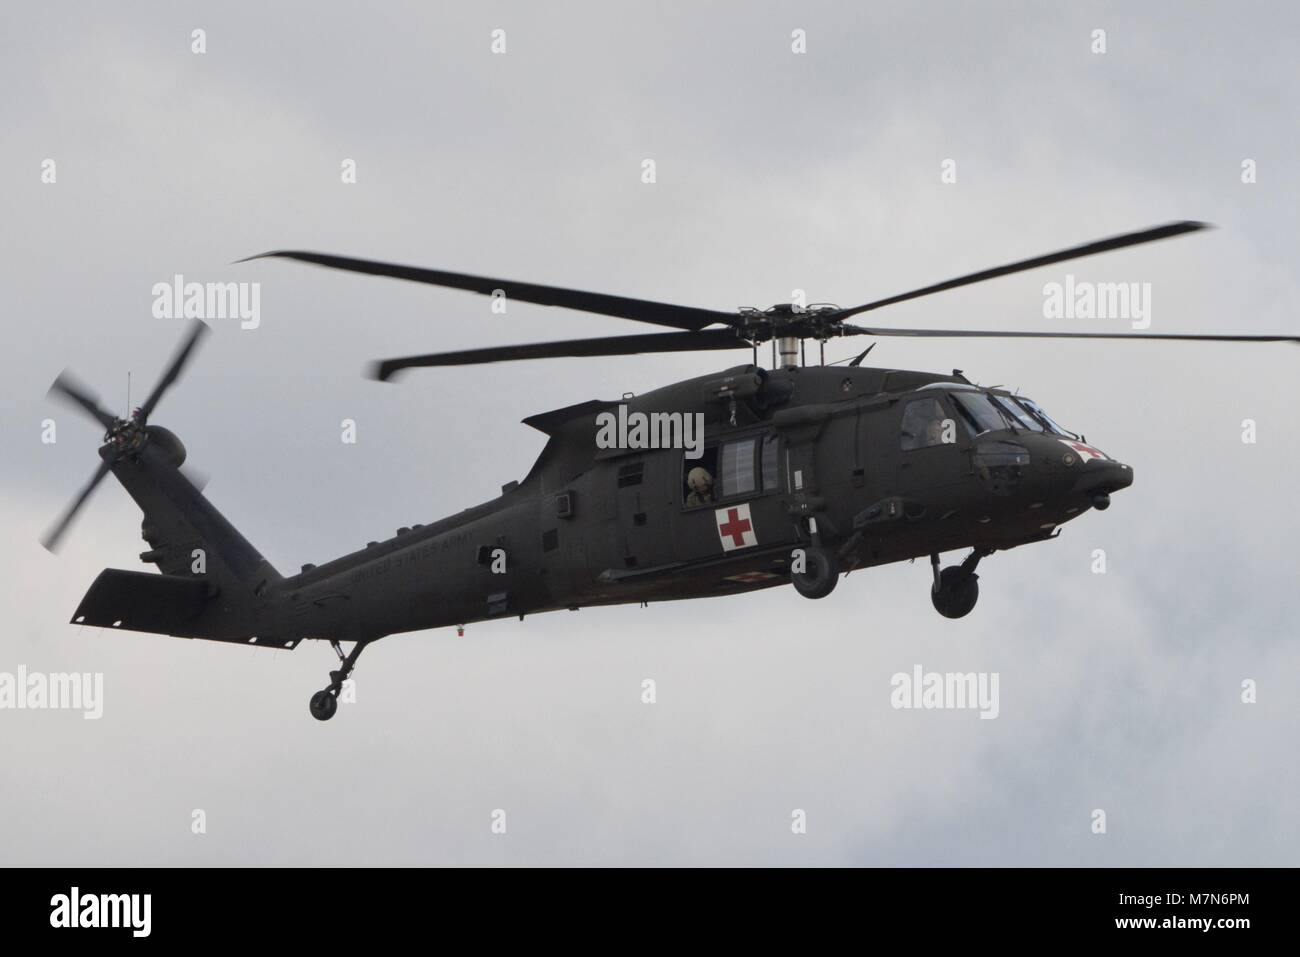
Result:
[
  {"x": 857, "y": 360},
  {"x": 127, "y": 414}
]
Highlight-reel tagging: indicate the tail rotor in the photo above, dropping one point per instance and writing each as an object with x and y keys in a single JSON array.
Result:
[{"x": 121, "y": 436}]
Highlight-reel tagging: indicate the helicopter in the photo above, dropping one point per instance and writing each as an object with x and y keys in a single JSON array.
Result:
[{"x": 744, "y": 479}]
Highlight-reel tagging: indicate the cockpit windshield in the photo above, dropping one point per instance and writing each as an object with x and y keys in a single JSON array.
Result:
[
  {"x": 1037, "y": 412},
  {"x": 987, "y": 412},
  {"x": 1023, "y": 419}
]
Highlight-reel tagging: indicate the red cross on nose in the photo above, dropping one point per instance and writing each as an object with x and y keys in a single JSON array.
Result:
[{"x": 1086, "y": 449}]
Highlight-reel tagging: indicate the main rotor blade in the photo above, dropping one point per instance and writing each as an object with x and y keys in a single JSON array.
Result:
[
  {"x": 70, "y": 389},
  {"x": 51, "y": 539},
  {"x": 1006, "y": 334},
  {"x": 174, "y": 369},
  {"x": 576, "y": 348},
  {"x": 641, "y": 310},
  {"x": 1074, "y": 252}
]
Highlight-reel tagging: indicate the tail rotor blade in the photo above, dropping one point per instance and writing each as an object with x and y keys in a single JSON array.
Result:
[
  {"x": 174, "y": 369},
  {"x": 51, "y": 539},
  {"x": 69, "y": 389},
  {"x": 196, "y": 478}
]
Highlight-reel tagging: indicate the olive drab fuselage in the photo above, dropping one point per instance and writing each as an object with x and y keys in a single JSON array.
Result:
[
  {"x": 791, "y": 475},
  {"x": 822, "y": 457}
]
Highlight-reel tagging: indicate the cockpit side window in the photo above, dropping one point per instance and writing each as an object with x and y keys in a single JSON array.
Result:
[
  {"x": 978, "y": 411},
  {"x": 925, "y": 423}
]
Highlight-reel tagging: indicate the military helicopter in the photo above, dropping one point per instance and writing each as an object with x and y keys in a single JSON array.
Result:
[{"x": 744, "y": 479}]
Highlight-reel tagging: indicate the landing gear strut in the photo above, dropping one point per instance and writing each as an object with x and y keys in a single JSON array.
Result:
[
  {"x": 956, "y": 589},
  {"x": 325, "y": 703}
]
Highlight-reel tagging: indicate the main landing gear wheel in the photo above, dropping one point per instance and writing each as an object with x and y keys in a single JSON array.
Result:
[
  {"x": 956, "y": 593},
  {"x": 820, "y": 575},
  {"x": 956, "y": 589},
  {"x": 325, "y": 703}
]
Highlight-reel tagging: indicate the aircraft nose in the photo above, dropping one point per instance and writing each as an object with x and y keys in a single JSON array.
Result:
[
  {"x": 1122, "y": 475},
  {"x": 1098, "y": 478}
]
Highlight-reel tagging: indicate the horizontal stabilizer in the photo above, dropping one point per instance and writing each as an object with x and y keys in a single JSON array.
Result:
[
  {"x": 143, "y": 601},
  {"x": 176, "y": 605}
]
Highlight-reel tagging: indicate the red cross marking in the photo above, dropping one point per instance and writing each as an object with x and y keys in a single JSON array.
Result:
[
  {"x": 1080, "y": 447},
  {"x": 736, "y": 527}
]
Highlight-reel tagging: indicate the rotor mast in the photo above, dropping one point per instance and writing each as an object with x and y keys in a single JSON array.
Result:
[{"x": 788, "y": 347}]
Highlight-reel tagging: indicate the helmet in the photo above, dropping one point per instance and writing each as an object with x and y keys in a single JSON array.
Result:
[{"x": 699, "y": 480}]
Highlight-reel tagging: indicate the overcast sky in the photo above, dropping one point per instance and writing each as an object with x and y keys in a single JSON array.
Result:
[{"x": 775, "y": 171}]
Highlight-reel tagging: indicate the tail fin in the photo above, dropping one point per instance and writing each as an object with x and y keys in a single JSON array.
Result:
[
  {"x": 213, "y": 578},
  {"x": 185, "y": 532}
]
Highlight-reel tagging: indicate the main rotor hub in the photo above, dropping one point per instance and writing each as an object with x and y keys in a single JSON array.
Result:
[{"x": 787, "y": 320}]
